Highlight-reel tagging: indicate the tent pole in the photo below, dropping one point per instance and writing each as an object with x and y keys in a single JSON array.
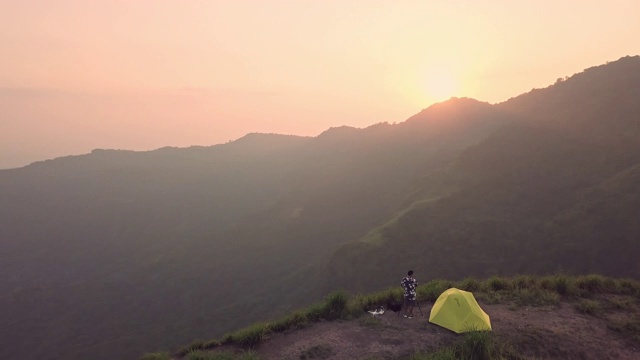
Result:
[{"x": 421, "y": 314}]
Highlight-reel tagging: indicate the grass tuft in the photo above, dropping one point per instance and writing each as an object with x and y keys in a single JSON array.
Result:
[
  {"x": 629, "y": 287},
  {"x": 469, "y": 284},
  {"x": 251, "y": 335},
  {"x": 525, "y": 282},
  {"x": 361, "y": 303},
  {"x": 156, "y": 356},
  {"x": 432, "y": 290},
  {"x": 496, "y": 283},
  {"x": 335, "y": 305},
  {"x": 294, "y": 320},
  {"x": 535, "y": 297},
  {"x": 196, "y": 345},
  {"x": 594, "y": 284},
  {"x": 204, "y": 355},
  {"x": 476, "y": 345},
  {"x": 589, "y": 307}
]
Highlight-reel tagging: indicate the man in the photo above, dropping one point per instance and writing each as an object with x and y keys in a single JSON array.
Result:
[{"x": 409, "y": 285}]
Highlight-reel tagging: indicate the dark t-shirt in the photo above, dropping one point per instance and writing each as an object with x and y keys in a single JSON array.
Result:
[{"x": 409, "y": 285}]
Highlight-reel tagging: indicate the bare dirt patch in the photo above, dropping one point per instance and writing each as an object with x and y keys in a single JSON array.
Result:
[{"x": 554, "y": 332}]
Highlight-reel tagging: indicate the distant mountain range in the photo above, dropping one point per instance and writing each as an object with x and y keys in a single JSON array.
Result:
[{"x": 115, "y": 253}]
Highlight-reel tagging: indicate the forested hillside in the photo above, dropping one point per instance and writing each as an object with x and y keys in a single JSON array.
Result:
[
  {"x": 115, "y": 253},
  {"x": 553, "y": 190}
]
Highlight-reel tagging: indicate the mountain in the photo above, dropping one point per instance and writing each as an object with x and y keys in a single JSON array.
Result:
[
  {"x": 114, "y": 253},
  {"x": 527, "y": 199}
]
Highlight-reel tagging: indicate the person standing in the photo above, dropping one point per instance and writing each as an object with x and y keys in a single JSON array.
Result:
[{"x": 409, "y": 284}]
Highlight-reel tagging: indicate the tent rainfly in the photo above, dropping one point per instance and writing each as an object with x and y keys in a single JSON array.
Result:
[{"x": 458, "y": 311}]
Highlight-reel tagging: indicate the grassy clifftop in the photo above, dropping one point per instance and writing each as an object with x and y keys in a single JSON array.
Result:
[{"x": 533, "y": 317}]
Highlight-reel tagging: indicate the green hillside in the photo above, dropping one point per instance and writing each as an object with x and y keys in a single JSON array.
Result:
[
  {"x": 531, "y": 317},
  {"x": 537, "y": 196},
  {"x": 113, "y": 253}
]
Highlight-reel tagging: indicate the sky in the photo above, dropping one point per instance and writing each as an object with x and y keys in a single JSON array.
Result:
[{"x": 77, "y": 75}]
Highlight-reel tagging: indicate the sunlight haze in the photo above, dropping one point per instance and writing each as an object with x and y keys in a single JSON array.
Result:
[{"x": 140, "y": 75}]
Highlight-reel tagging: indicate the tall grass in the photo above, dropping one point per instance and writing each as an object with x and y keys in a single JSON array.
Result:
[
  {"x": 469, "y": 284},
  {"x": 204, "y": 355},
  {"x": 433, "y": 289},
  {"x": 589, "y": 307},
  {"x": 496, "y": 283},
  {"x": 194, "y": 346},
  {"x": 521, "y": 290},
  {"x": 360, "y": 303},
  {"x": 476, "y": 345},
  {"x": 473, "y": 345},
  {"x": 251, "y": 335}
]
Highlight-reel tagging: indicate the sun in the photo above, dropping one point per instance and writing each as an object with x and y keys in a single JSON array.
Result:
[{"x": 440, "y": 84}]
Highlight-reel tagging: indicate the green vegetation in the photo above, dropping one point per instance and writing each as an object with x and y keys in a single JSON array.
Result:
[
  {"x": 203, "y": 355},
  {"x": 156, "y": 356},
  {"x": 166, "y": 246},
  {"x": 474, "y": 345},
  {"x": 590, "y": 307},
  {"x": 518, "y": 291}
]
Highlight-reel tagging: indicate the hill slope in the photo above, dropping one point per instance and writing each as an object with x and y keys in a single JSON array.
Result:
[
  {"x": 553, "y": 317},
  {"x": 524, "y": 199},
  {"x": 176, "y": 244}
]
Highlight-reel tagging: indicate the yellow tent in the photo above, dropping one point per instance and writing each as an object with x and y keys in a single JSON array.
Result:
[{"x": 458, "y": 311}]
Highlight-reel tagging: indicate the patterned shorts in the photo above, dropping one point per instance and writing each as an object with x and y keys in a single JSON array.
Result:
[{"x": 409, "y": 302}]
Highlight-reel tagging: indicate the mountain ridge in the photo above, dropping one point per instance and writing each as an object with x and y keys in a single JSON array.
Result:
[{"x": 181, "y": 228}]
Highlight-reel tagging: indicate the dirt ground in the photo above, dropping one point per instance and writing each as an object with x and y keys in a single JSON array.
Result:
[{"x": 554, "y": 332}]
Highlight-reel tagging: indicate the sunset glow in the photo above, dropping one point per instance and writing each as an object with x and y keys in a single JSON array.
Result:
[
  {"x": 139, "y": 75},
  {"x": 441, "y": 85}
]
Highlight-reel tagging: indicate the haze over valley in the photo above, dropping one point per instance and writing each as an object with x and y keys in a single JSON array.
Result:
[
  {"x": 113, "y": 253},
  {"x": 177, "y": 170}
]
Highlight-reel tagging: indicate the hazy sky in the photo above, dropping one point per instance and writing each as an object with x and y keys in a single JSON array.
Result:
[{"x": 141, "y": 74}]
